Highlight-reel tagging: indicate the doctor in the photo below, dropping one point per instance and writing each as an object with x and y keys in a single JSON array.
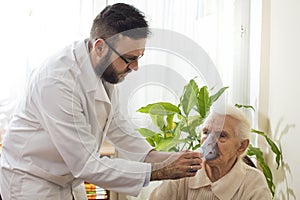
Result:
[{"x": 71, "y": 106}]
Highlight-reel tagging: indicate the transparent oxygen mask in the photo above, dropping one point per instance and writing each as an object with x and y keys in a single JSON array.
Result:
[{"x": 209, "y": 148}]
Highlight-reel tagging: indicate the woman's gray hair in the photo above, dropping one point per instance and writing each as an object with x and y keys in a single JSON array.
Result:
[{"x": 243, "y": 128}]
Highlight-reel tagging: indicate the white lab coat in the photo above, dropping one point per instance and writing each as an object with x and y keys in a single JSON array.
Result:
[{"x": 53, "y": 140}]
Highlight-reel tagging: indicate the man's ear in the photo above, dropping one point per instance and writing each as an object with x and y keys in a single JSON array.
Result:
[
  {"x": 244, "y": 146},
  {"x": 99, "y": 46}
]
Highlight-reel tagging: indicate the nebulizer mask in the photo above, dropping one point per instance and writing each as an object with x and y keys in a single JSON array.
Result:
[{"x": 209, "y": 149}]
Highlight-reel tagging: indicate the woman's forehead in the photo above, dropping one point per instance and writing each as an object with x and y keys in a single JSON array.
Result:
[{"x": 220, "y": 122}]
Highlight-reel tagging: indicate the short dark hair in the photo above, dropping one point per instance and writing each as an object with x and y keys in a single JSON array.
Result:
[{"x": 119, "y": 18}]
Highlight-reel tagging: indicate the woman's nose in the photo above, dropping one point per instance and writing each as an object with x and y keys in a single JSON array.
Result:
[{"x": 203, "y": 138}]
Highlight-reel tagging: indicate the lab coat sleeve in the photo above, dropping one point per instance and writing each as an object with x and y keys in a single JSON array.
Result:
[
  {"x": 128, "y": 142},
  {"x": 59, "y": 105}
]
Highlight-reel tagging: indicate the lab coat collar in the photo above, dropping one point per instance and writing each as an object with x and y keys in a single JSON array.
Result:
[
  {"x": 224, "y": 188},
  {"x": 104, "y": 91},
  {"x": 82, "y": 57},
  {"x": 92, "y": 83}
]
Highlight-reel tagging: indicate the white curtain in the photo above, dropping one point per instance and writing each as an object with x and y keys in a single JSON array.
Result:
[
  {"x": 220, "y": 27},
  {"x": 30, "y": 31}
]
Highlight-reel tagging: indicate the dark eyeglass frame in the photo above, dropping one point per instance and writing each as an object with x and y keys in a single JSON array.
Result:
[{"x": 124, "y": 59}]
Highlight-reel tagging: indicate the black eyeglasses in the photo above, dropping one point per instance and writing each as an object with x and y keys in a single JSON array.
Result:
[{"x": 124, "y": 59}]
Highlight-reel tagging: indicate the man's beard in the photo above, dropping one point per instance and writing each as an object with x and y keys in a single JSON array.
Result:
[
  {"x": 112, "y": 76},
  {"x": 110, "y": 73}
]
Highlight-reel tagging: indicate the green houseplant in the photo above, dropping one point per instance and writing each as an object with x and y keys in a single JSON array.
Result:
[{"x": 177, "y": 125}]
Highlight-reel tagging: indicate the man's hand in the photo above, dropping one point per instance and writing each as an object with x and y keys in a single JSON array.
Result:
[{"x": 177, "y": 165}]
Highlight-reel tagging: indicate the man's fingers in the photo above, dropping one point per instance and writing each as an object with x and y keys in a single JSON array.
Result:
[
  {"x": 195, "y": 161},
  {"x": 179, "y": 165},
  {"x": 190, "y": 158},
  {"x": 191, "y": 154},
  {"x": 194, "y": 168}
]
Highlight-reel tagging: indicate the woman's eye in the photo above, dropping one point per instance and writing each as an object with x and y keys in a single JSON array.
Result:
[{"x": 222, "y": 134}]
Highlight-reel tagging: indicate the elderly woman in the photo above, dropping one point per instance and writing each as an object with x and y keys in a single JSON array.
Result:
[{"x": 224, "y": 175}]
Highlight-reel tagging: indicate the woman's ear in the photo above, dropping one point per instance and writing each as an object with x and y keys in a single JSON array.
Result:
[{"x": 244, "y": 146}]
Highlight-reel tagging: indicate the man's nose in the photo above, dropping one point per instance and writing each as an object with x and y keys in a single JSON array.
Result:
[{"x": 134, "y": 65}]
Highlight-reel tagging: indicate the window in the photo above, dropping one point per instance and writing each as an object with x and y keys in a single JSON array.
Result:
[{"x": 34, "y": 29}]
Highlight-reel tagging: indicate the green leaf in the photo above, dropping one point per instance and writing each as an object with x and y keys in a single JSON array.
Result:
[
  {"x": 216, "y": 96},
  {"x": 157, "y": 138},
  {"x": 192, "y": 124},
  {"x": 170, "y": 122},
  {"x": 258, "y": 132},
  {"x": 151, "y": 142},
  {"x": 273, "y": 146},
  {"x": 204, "y": 102},
  {"x": 177, "y": 130},
  {"x": 244, "y": 106},
  {"x": 146, "y": 132},
  {"x": 195, "y": 120},
  {"x": 167, "y": 144},
  {"x": 158, "y": 121},
  {"x": 189, "y": 97},
  {"x": 276, "y": 150},
  {"x": 160, "y": 108},
  {"x": 265, "y": 168},
  {"x": 196, "y": 147}
]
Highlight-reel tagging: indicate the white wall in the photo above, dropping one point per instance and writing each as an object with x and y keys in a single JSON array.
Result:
[{"x": 280, "y": 94}]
